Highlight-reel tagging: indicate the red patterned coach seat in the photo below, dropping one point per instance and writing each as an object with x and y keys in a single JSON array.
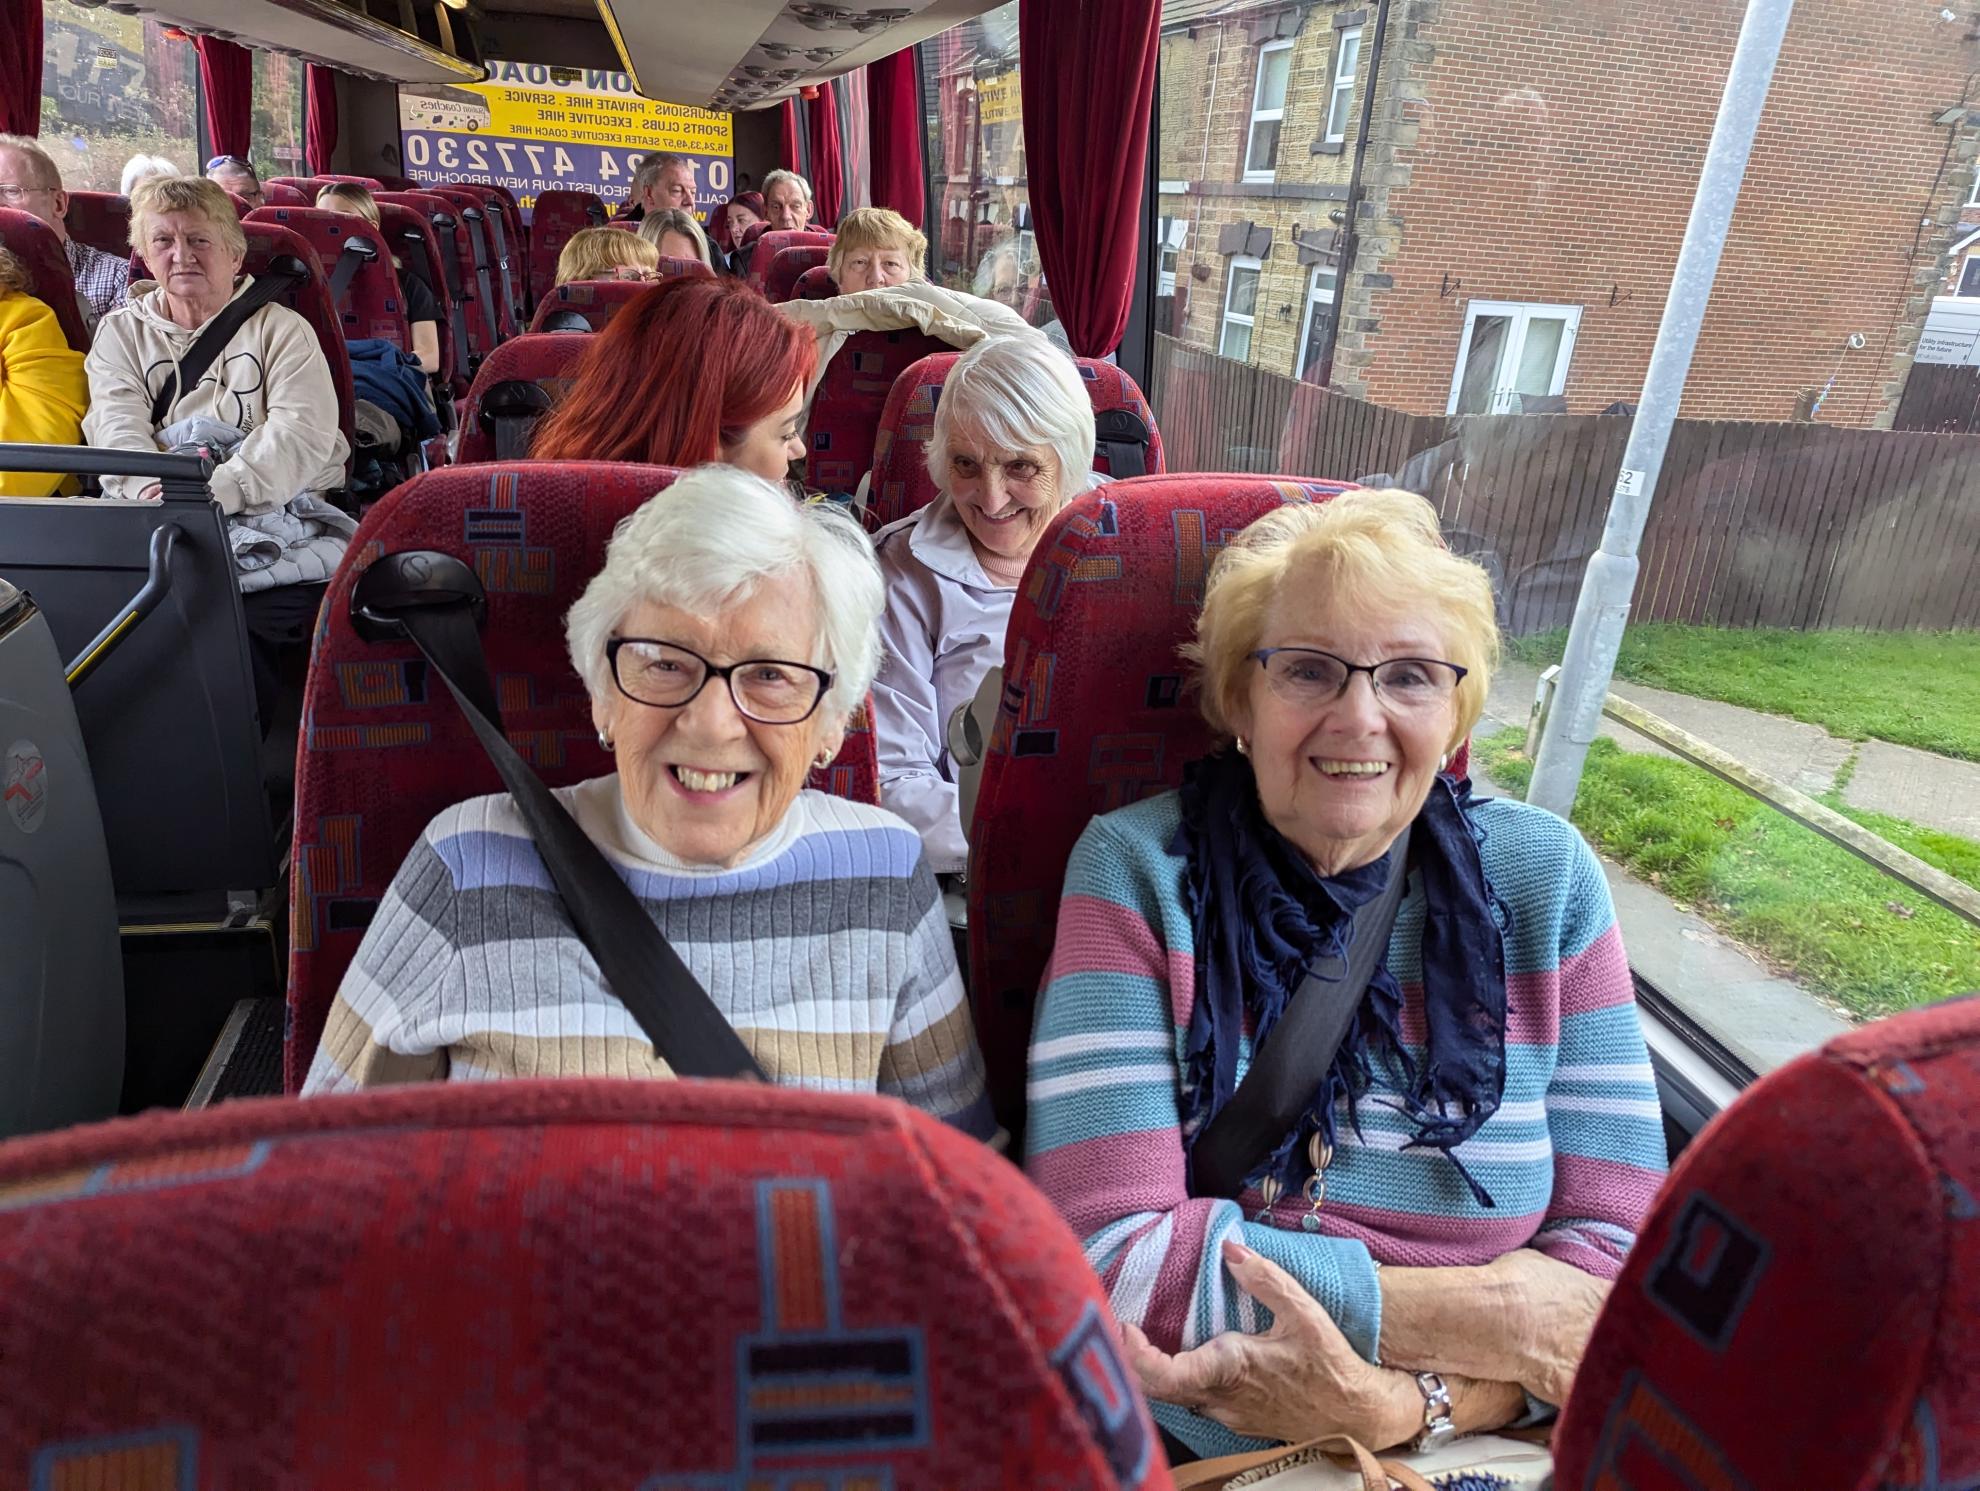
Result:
[
  {"x": 790, "y": 266},
  {"x": 675, "y": 1286},
  {"x": 901, "y": 483},
  {"x": 1800, "y": 1307},
  {"x": 816, "y": 283},
  {"x": 846, "y": 409},
  {"x": 384, "y": 747},
  {"x": 50, "y": 280},
  {"x": 102, "y": 220},
  {"x": 773, "y": 241},
  {"x": 371, "y": 303},
  {"x": 558, "y": 215},
  {"x": 496, "y": 414},
  {"x": 596, "y": 302}
]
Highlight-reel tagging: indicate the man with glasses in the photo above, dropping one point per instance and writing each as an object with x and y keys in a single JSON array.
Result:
[
  {"x": 31, "y": 182},
  {"x": 237, "y": 176}
]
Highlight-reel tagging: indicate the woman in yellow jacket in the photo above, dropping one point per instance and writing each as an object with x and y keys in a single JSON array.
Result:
[{"x": 43, "y": 392}]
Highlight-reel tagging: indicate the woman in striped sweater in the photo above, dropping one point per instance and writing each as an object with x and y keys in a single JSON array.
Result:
[
  {"x": 1424, "y": 1249},
  {"x": 725, "y": 642}
]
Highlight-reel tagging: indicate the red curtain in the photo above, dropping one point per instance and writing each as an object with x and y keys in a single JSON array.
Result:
[
  {"x": 320, "y": 118},
  {"x": 226, "y": 77},
  {"x": 794, "y": 156},
  {"x": 893, "y": 104},
  {"x": 1086, "y": 150},
  {"x": 828, "y": 169},
  {"x": 20, "y": 67}
]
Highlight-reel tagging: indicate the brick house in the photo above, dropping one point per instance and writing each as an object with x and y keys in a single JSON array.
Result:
[{"x": 1525, "y": 188}]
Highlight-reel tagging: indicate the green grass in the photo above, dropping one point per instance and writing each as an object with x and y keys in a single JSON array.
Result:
[
  {"x": 1910, "y": 688},
  {"x": 1815, "y": 912}
]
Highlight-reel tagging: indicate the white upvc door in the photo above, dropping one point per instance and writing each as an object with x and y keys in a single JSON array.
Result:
[{"x": 1510, "y": 349}]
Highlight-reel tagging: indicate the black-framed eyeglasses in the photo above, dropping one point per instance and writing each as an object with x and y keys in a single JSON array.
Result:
[
  {"x": 1309, "y": 677},
  {"x": 771, "y": 691}
]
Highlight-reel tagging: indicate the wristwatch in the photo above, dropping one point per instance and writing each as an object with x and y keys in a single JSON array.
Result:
[{"x": 1437, "y": 1425}]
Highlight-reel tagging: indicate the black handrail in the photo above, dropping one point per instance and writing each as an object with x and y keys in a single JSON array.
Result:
[
  {"x": 157, "y": 585},
  {"x": 180, "y": 478}
]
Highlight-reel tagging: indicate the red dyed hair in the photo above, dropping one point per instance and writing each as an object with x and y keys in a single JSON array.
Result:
[
  {"x": 718, "y": 219},
  {"x": 681, "y": 372}
]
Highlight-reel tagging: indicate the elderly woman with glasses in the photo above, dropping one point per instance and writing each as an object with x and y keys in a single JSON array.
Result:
[
  {"x": 724, "y": 644},
  {"x": 1467, "y": 1165}
]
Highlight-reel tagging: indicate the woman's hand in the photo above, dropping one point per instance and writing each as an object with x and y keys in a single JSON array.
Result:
[
  {"x": 1300, "y": 1380},
  {"x": 1552, "y": 1315}
]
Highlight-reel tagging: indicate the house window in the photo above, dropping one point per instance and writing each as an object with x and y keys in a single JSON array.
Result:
[
  {"x": 1347, "y": 58},
  {"x": 1268, "y": 111},
  {"x": 1969, "y": 277},
  {"x": 1240, "y": 309},
  {"x": 1174, "y": 231},
  {"x": 1511, "y": 352},
  {"x": 1312, "y": 336}
]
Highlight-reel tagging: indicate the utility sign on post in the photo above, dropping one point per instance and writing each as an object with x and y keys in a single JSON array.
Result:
[{"x": 533, "y": 128}]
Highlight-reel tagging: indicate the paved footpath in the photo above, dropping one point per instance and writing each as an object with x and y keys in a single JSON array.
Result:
[{"x": 1933, "y": 790}]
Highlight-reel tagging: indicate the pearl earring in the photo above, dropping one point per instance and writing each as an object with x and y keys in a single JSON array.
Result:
[
  {"x": 604, "y": 741},
  {"x": 1242, "y": 748},
  {"x": 820, "y": 761}
]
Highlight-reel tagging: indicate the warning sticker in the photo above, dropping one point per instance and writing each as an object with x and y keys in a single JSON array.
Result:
[{"x": 26, "y": 789}]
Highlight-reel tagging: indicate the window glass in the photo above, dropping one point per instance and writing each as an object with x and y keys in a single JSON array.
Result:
[
  {"x": 114, "y": 86},
  {"x": 1466, "y": 304},
  {"x": 979, "y": 227},
  {"x": 278, "y": 116}
]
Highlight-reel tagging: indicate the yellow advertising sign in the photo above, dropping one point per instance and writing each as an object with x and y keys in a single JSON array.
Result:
[
  {"x": 531, "y": 128},
  {"x": 1000, "y": 100}
]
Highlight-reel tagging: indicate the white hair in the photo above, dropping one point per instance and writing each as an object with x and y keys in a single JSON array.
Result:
[
  {"x": 140, "y": 166},
  {"x": 1018, "y": 392},
  {"x": 778, "y": 178},
  {"x": 704, "y": 543}
]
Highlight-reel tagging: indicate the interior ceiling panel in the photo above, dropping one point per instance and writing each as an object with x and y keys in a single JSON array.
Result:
[
  {"x": 750, "y": 54},
  {"x": 317, "y": 31}
]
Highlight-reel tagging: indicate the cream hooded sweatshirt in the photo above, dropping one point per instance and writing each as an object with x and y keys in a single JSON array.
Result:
[{"x": 270, "y": 382}]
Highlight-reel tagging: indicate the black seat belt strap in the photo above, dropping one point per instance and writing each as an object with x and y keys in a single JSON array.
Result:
[
  {"x": 1288, "y": 1068},
  {"x": 499, "y": 230},
  {"x": 1122, "y": 437},
  {"x": 355, "y": 255},
  {"x": 639, "y": 964},
  {"x": 484, "y": 281},
  {"x": 450, "y": 272},
  {"x": 281, "y": 276}
]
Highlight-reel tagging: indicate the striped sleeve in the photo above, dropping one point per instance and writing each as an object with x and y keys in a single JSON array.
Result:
[
  {"x": 931, "y": 1060},
  {"x": 1602, "y": 1109},
  {"x": 1104, "y": 1140},
  {"x": 408, "y": 956}
]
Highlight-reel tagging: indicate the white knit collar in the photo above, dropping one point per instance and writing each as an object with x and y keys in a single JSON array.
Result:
[{"x": 635, "y": 844}]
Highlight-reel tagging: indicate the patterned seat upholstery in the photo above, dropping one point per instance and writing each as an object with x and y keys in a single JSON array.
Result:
[
  {"x": 474, "y": 328},
  {"x": 309, "y": 186},
  {"x": 774, "y": 241},
  {"x": 369, "y": 183},
  {"x": 598, "y": 301},
  {"x": 901, "y": 483},
  {"x": 372, "y": 304},
  {"x": 512, "y": 245},
  {"x": 556, "y": 216},
  {"x": 102, "y": 220},
  {"x": 816, "y": 283},
  {"x": 382, "y": 751},
  {"x": 50, "y": 280},
  {"x": 845, "y": 410},
  {"x": 268, "y": 240},
  {"x": 472, "y": 210},
  {"x": 281, "y": 194},
  {"x": 791, "y": 265},
  {"x": 1798, "y": 1307},
  {"x": 540, "y": 357},
  {"x": 418, "y": 248},
  {"x": 1093, "y": 717},
  {"x": 674, "y": 1286}
]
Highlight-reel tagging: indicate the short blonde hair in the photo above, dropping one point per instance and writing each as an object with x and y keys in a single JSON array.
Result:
[
  {"x": 350, "y": 195},
  {"x": 593, "y": 253},
  {"x": 196, "y": 194},
  {"x": 1368, "y": 552},
  {"x": 673, "y": 220},
  {"x": 874, "y": 229}
]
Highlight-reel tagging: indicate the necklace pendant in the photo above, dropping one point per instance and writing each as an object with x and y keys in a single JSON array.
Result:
[{"x": 1270, "y": 1189}]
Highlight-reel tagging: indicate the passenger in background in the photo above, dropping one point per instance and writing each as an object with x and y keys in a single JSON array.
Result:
[
  {"x": 43, "y": 392},
  {"x": 725, "y": 643},
  {"x": 237, "y": 176},
  {"x": 875, "y": 247},
  {"x": 422, "y": 310},
  {"x": 265, "y": 409},
  {"x": 142, "y": 167},
  {"x": 606, "y": 254},
  {"x": 676, "y": 235},
  {"x": 786, "y": 201},
  {"x": 661, "y": 181},
  {"x": 728, "y": 222},
  {"x": 31, "y": 182},
  {"x": 1012, "y": 443},
  {"x": 694, "y": 370},
  {"x": 1486, "y": 1134}
]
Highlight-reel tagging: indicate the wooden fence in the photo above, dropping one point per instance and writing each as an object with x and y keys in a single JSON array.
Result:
[{"x": 1790, "y": 525}]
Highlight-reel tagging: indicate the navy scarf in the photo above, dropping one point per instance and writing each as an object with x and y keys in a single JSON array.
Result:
[{"x": 1262, "y": 917}]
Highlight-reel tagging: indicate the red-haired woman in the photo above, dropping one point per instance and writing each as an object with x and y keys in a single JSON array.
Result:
[
  {"x": 727, "y": 221},
  {"x": 693, "y": 370}
]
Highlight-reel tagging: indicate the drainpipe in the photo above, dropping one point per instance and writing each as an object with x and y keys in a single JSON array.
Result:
[{"x": 1350, "y": 239}]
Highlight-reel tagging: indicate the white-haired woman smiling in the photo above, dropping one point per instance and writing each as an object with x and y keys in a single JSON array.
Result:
[
  {"x": 1012, "y": 444},
  {"x": 724, "y": 643}
]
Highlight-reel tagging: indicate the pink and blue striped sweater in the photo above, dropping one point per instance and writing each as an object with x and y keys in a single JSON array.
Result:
[{"x": 1571, "y": 1159}]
